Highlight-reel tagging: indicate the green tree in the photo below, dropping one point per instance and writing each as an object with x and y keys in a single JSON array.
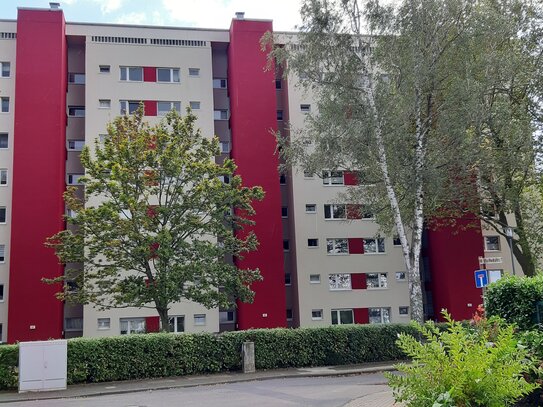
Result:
[{"x": 158, "y": 222}]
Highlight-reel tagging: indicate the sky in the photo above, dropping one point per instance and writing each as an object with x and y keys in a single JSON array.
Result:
[{"x": 183, "y": 13}]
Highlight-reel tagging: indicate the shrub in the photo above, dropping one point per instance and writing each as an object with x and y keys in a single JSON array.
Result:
[
  {"x": 479, "y": 366},
  {"x": 9, "y": 362},
  {"x": 514, "y": 299}
]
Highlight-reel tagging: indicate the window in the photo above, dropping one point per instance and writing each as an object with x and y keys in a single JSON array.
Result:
[
  {"x": 194, "y": 105},
  {"x": 1, "y": 292},
  {"x": 374, "y": 246},
  {"x": 310, "y": 208},
  {"x": 401, "y": 276},
  {"x": 332, "y": 178},
  {"x": 225, "y": 147},
  {"x": 194, "y": 71},
  {"x": 313, "y": 243},
  {"x": 73, "y": 324},
  {"x": 288, "y": 280},
  {"x": 75, "y": 145},
  {"x": 76, "y": 78},
  {"x": 396, "y": 240},
  {"x": 104, "y": 324},
  {"x": 225, "y": 179},
  {"x": 305, "y": 108},
  {"x": 163, "y": 108},
  {"x": 5, "y": 104},
  {"x": 129, "y": 107},
  {"x": 335, "y": 211},
  {"x": 492, "y": 243},
  {"x": 376, "y": 280},
  {"x": 131, "y": 73},
  {"x": 227, "y": 316},
  {"x": 2, "y": 214},
  {"x": 177, "y": 323},
  {"x": 278, "y": 84},
  {"x": 342, "y": 316},
  {"x": 2, "y": 254},
  {"x": 167, "y": 74},
  {"x": 403, "y": 311},
  {"x": 4, "y": 140},
  {"x": 6, "y": 68},
  {"x": 104, "y": 68},
  {"x": 367, "y": 215},
  {"x": 279, "y": 115},
  {"x": 284, "y": 212},
  {"x": 104, "y": 103},
  {"x": 76, "y": 111},
  {"x": 315, "y": 278},
  {"x": 308, "y": 174},
  {"x": 3, "y": 176},
  {"x": 286, "y": 245},
  {"x": 132, "y": 326},
  {"x": 219, "y": 83},
  {"x": 337, "y": 246},
  {"x": 316, "y": 314},
  {"x": 289, "y": 314},
  {"x": 220, "y": 114},
  {"x": 199, "y": 319},
  {"x": 73, "y": 179},
  {"x": 282, "y": 179},
  {"x": 340, "y": 281},
  {"x": 1, "y": 334},
  {"x": 379, "y": 315}
]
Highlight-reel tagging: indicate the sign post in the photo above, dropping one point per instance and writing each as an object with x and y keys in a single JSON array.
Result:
[{"x": 481, "y": 278}]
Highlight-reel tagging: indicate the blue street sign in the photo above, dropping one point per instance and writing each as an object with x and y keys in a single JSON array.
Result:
[{"x": 481, "y": 278}]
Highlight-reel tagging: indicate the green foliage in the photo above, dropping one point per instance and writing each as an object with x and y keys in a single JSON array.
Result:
[
  {"x": 9, "y": 362},
  {"x": 514, "y": 299},
  {"x": 479, "y": 366},
  {"x": 154, "y": 209}
]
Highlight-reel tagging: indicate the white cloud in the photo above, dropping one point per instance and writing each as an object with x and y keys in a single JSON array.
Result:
[
  {"x": 108, "y": 6},
  {"x": 132, "y": 18},
  {"x": 218, "y": 13}
]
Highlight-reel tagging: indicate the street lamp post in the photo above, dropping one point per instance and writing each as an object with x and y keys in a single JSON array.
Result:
[{"x": 509, "y": 232}]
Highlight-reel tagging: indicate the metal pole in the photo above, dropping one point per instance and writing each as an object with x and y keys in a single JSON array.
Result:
[{"x": 510, "y": 241}]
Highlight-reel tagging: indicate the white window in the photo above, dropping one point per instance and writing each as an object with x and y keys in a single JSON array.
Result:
[
  {"x": 308, "y": 174},
  {"x": 2, "y": 214},
  {"x": 225, "y": 147},
  {"x": 374, "y": 246},
  {"x": 73, "y": 324},
  {"x": 492, "y": 243},
  {"x": 315, "y": 278},
  {"x": 3, "y": 176},
  {"x": 310, "y": 208},
  {"x": 376, "y": 280},
  {"x": 220, "y": 114},
  {"x": 305, "y": 108},
  {"x": 403, "y": 311},
  {"x": 401, "y": 276},
  {"x": 342, "y": 316},
  {"x": 104, "y": 324},
  {"x": 163, "y": 108},
  {"x": 177, "y": 323},
  {"x": 288, "y": 280},
  {"x": 73, "y": 179},
  {"x": 340, "y": 281},
  {"x": 332, "y": 178},
  {"x": 284, "y": 212},
  {"x": 5, "y": 104},
  {"x": 132, "y": 326},
  {"x": 104, "y": 103},
  {"x": 129, "y": 106},
  {"x": 312, "y": 243},
  {"x": 2, "y": 253},
  {"x": 104, "y": 68},
  {"x": 337, "y": 246},
  {"x": 227, "y": 317},
  {"x": 379, "y": 315},
  {"x": 316, "y": 314},
  {"x": 167, "y": 74},
  {"x": 1, "y": 292},
  {"x": 6, "y": 69},
  {"x": 219, "y": 83},
  {"x": 75, "y": 145},
  {"x": 4, "y": 140},
  {"x": 194, "y": 105},
  {"x": 289, "y": 314},
  {"x": 199, "y": 319},
  {"x": 194, "y": 71},
  {"x": 76, "y": 78},
  {"x": 131, "y": 73},
  {"x": 335, "y": 212},
  {"x": 76, "y": 111}
]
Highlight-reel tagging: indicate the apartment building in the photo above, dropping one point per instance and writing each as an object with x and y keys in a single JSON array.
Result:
[{"x": 322, "y": 261}]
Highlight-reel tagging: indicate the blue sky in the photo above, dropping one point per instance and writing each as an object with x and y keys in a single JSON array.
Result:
[{"x": 185, "y": 13}]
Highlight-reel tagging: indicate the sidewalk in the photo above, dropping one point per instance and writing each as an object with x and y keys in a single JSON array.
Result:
[{"x": 382, "y": 399}]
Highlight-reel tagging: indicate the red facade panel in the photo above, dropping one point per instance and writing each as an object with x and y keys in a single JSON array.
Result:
[
  {"x": 39, "y": 158},
  {"x": 361, "y": 316},
  {"x": 150, "y": 107},
  {"x": 152, "y": 324},
  {"x": 149, "y": 74},
  {"x": 358, "y": 281},
  {"x": 349, "y": 178},
  {"x": 253, "y": 115},
  {"x": 356, "y": 245},
  {"x": 354, "y": 211}
]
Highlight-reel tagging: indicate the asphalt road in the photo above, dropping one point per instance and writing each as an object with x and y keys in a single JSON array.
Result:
[{"x": 312, "y": 391}]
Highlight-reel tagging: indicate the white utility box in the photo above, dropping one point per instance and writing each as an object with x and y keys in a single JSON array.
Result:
[{"x": 43, "y": 365}]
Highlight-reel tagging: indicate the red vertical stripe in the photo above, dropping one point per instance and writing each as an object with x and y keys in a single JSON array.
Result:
[
  {"x": 350, "y": 178},
  {"x": 361, "y": 316},
  {"x": 152, "y": 324},
  {"x": 354, "y": 211},
  {"x": 356, "y": 246},
  {"x": 149, "y": 74},
  {"x": 150, "y": 107},
  {"x": 358, "y": 281}
]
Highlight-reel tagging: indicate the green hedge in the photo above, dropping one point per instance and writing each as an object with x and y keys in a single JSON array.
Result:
[
  {"x": 161, "y": 355},
  {"x": 514, "y": 299}
]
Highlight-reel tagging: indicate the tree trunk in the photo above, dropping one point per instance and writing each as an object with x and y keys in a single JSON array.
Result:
[{"x": 164, "y": 319}]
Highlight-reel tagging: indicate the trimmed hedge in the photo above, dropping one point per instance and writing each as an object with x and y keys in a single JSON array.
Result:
[
  {"x": 514, "y": 299},
  {"x": 163, "y": 354}
]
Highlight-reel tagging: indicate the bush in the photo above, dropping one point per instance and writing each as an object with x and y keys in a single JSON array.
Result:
[
  {"x": 9, "y": 366},
  {"x": 479, "y": 366},
  {"x": 514, "y": 299}
]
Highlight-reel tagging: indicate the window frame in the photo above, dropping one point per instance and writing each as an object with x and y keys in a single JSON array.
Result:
[
  {"x": 7, "y": 141},
  {"x": 2, "y": 64},
  {"x": 74, "y": 78},
  {"x": 376, "y": 240},
  {"x": 338, "y": 312},
  {"x": 2, "y": 100},
  {"x": 288, "y": 279},
  {"x": 335, "y": 243},
  {"x": 498, "y": 243},
  {"x": 173, "y": 105},
  {"x": 380, "y": 284},
  {"x": 171, "y": 74},
  {"x": 76, "y": 176},
  {"x": 104, "y": 69},
  {"x": 403, "y": 307},
  {"x": 220, "y": 82},
  {"x": 227, "y": 320},
  {"x": 316, "y": 240},
  {"x": 305, "y": 108},
  {"x": 104, "y": 103},
  {"x": 5, "y": 210},
  {"x": 130, "y": 322},
  {"x": 194, "y": 72},
  {"x": 173, "y": 321},
  {"x": 78, "y": 145},
  {"x": 317, "y": 318},
  {"x": 103, "y": 327},
  {"x": 2, "y": 172},
  {"x": 127, "y": 106},
  {"x": 336, "y": 285},
  {"x": 381, "y": 315},
  {"x": 221, "y": 114},
  {"x": 330, "y": 208},
  {"x": 195, "y": 104},
  {"x": 315, "y": 281},
  {"x": 73, "y": 111},
  {"x": 127, "y": 70},
  {"x": 2, "y": 254},
  {"x": 328, "y": 177},
  {"x": 314, "y": 211},
  {"x": 400, "y": 279},
  {"x": 202, "y": 320}
]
